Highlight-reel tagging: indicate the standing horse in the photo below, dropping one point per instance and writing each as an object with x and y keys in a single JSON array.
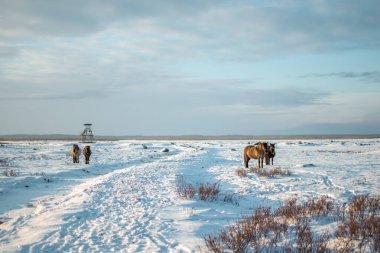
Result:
[
  {"x": 270, "y": 154},
  {"x": 87, "y": 154},
  {"x": 255, "y": 152},
  {"x": 75, "y": 153}
]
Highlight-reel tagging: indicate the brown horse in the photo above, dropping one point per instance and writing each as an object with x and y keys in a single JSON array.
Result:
[
  {"x": 255, "y": 152},
  {"x": 87, "y": 154},
  {"x": 270, "y": 154},
  {"x": 75, "y": 153}
]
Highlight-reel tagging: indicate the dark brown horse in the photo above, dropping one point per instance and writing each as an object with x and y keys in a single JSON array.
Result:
[
  {"x": 270, "y": 154},
  {"x": 255, "y": 152},
  {"x": 87, "y": 154},
  {"x": 75, "y": 153}
]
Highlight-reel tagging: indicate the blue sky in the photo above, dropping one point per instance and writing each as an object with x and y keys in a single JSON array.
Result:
[{"x": 190, "y": 67}]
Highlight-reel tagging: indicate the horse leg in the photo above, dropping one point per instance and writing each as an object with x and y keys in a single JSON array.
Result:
[{"x": 246, "y": 160}]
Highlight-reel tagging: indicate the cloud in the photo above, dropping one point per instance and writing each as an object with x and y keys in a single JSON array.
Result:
[
  {"x": 370, "y": 76},
  {"x": 81, "y": 18},
  {"x": 230, "y": 99},
  {"x": 351, "y": 128},
  {"x": 80, "y": 95},
  {"x": 8, "y": 51},
  {"x": 244, "y": 29}
]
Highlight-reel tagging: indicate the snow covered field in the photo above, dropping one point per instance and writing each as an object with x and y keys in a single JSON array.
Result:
[{"x": 126, "y": 200}]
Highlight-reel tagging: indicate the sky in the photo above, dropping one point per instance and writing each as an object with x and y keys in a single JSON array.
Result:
[{"x": 199, "y": 67}]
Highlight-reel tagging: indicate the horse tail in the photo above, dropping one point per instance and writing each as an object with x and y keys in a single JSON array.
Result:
[{"x": 246, "y": 160}]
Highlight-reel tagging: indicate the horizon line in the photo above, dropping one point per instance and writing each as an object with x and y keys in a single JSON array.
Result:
[{"x": 27, "y": 137}]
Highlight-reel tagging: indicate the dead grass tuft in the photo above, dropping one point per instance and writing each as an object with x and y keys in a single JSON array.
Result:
[
  {"x": 231, "y": 198},
  {"x": 209, "y": 191},
  {"x": 241, "y": 172},
  {"x": 270, "y": 172},
  {"x": 360, "y": 224},
  {"x": 205, "y": 191},
  {"x": 184, "y": 189},
  {"x": 9, "y": 173}
]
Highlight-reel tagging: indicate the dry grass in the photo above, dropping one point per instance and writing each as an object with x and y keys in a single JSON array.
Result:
[
  {"x": 231, "y": 198},
  {"x": 205, "y": 191},
  {"x": 241, "y": 172},
  {"x": 288, "y": 229},
  {"x": 360, "y": 224},
  {"x": 209, "y": 191},
  {"x": 270, "y": 172},
  {"x": 291, "y": 209},
  {"x": 4, "y": 163},
  {"x": 184, "y": 189},
  {"x": 10, "y": 173}
]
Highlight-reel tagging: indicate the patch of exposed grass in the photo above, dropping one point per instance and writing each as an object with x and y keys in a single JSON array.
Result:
[
  {"x": 241, "y": 172},
  {"x": 205, "y": 191},
  {"x": 270, "y": 172},
  {"x": 209, "y": 191},
  {"x": 9, "y": 173},
  {"x": 287, "y": 229},
  {"x": 184, "y": 189},
  {"x": 231, "y": 198},
  {"x": 359, "y": 226}
]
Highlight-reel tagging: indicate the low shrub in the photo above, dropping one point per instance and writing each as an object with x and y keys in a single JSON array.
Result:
[
  {"x": 241, "y": 172},
  {"x": 287, "y": 229},
  {"x": 184, "y": 189},
  {"x": 209, "y": 191},
  {"x": 270, "y": 172},
  {"x": 205, "y": 191},
  {"x": 9, "y": 173},
  {"x": 231, "y": 198}
]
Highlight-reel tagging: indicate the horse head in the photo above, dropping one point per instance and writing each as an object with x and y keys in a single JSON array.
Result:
[{"x": 271, "y": 149}]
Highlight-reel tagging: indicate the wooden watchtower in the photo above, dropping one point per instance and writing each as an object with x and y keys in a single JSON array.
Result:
[{"x": 87, "y": 136}]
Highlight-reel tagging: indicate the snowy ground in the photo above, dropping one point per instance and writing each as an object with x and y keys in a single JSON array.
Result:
[{"x": 126, "y": 199}]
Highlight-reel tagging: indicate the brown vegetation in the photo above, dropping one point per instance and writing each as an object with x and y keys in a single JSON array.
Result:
[
  {"x": 241, "y": 172},
  {"x": 288, "y": 229},
  {"x": 209, "y": 191},
  {"x": 184, "y": 189},
  {"x": 270, "y": 172},
  {"x": 205, "y": 191},
  {"x": 10, "y": 173}
]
